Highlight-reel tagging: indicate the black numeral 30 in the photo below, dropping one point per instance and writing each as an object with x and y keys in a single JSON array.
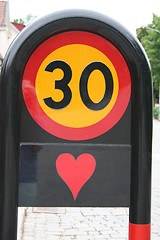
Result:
[{"x": 63, "y": 85}]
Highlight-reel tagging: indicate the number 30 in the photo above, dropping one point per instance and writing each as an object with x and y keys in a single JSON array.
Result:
[{"x": 63, "y": 85}]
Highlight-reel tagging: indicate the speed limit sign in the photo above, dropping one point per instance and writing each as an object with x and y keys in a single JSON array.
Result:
[
  {"x": 76, "y": 120},
  {"x": 76, "y": 91},
  {"x": 76, "y": 85}
]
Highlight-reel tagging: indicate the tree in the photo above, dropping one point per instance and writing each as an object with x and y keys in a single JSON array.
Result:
[
  {"x": 150, "y": 39},
  {"x": 19, "y": 20},
  {"x": 26, "y": 20},
  {"x": 29, "y": 18},
  {"x": 141, "y": 33}
]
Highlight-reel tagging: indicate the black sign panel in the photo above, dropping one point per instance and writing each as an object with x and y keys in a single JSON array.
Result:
[
  {"x": 77, "y": 175},
  {"x": 76, "y": 89}
]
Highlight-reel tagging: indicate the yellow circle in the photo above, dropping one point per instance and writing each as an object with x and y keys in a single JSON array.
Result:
[{"x": 75, "y": 114}]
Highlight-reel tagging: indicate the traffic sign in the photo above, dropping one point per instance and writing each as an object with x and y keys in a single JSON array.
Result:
[
  {"x": 76, "y": 120},
  {"x": 74, "y": 83}
]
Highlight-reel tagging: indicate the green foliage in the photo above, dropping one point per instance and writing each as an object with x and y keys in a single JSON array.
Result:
[
  {"x": 26, "y": 20},
  {"x": 150, "y": 39},
  {"x": 20, "y": 20},
  {"x": 156, "y": 112},
  {"x": 141, "y": 32},
  {"x": 29, "y": 18}
]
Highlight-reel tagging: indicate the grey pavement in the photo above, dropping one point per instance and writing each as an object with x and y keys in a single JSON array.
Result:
[
  {"x": 92, "y": 223},
  {"x": 156, "y": 182}
]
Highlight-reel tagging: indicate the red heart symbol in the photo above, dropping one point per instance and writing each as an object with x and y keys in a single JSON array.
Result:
[{"x": 75, "y": 173}]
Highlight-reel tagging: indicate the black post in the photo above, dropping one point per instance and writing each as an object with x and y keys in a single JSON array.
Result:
[
  {"x": 141, "y": 154},
  {"x": 9, "y": 150},
  {"x": 141, "y": 113}
]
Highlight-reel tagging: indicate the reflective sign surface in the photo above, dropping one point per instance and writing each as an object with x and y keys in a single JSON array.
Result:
[
  {"x": 76, "y": 85},
  {"x": 76, "y": 175}
]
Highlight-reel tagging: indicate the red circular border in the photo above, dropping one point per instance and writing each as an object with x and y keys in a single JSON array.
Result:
[{"x": 29, "y": 92}]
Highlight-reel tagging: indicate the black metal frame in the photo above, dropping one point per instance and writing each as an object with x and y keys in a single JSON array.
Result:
[{"x": 10, "y": 98}]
